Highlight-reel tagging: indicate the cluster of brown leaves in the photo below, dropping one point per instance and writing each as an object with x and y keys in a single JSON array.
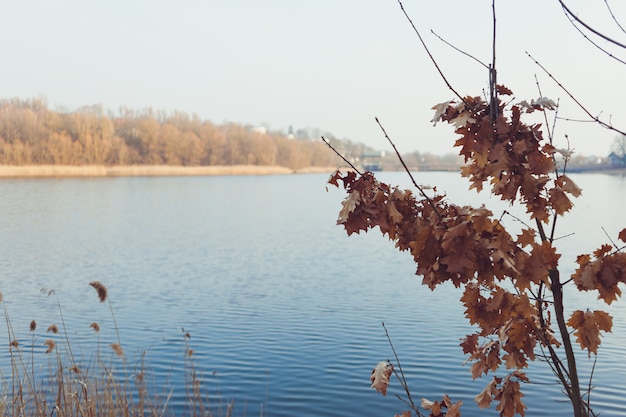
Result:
[
  {"x": 442, "y": 408},
  {"x": 602, "y": 272},
  {"x": 471, "y": 249},
  {"x": 511, "y": 155},
  {"x": 507, "y": 392}
]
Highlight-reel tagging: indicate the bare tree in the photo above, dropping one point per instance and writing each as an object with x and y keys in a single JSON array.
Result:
[{"x": 619, "y": 148}]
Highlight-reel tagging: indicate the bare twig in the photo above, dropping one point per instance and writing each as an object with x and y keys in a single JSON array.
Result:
[
  {"x": 545, "y": 115},
  {"x": 402, "y": 377},
  {"x": 583, "y": 108},
  {"x": 567, "y": 119},
  {"x": 421, "y": 190},
  {"x": 593, "y": 369},
  {"x": 515, "y": 218},
  {"x": 569, "y": 13},
  {"x": 563, "y": 237},
  {"x": 610, "y": 239},
  {"x": 556, "y": 364},
  {"x": 584, "y": 35},
  {"x": 613, "y": 16},
  {"x": 556, "y": 116},
  {"x": 432, "y": 58},
  {"x": 459, "y": 50},
  {"x": 340, "y": 155},
  {"x": 493, "y": 79}
]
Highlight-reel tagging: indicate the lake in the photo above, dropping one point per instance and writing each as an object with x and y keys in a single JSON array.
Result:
[{"x": 283, "y": 309}]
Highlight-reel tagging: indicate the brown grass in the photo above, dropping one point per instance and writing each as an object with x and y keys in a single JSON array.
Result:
[{"x": 34, "y": 171}]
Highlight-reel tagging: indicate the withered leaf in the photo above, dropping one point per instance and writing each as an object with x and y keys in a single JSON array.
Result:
[
  {"x": 348, "y": 205},
  {"x": 485, "y": 397},
  {"x": 380, "y": 377},
  {"x": 587, "y": 326}
]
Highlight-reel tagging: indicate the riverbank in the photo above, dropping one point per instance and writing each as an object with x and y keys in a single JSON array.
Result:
[{"x": 34, "y": 171}]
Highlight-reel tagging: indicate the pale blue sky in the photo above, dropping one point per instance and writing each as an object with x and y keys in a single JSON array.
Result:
[{"x": 330, "y": 64}]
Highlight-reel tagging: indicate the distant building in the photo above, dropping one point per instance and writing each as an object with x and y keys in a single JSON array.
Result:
[
  {"x": 370, "y": 160},
  {"x": 261, "y": 130},
  {"x": 617, "y": 160}
]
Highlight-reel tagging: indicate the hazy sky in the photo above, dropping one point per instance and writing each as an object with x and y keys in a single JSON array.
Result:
[{"x": 330, "y": 64}]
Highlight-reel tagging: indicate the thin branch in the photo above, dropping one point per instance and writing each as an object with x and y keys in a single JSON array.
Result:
[
  {"x": 592, "y": 117},
  {"x": 542, "y": 233},
  {"x": 459, "y": 50},
  {"x": 563, "y": 237},
  {"x": 592, "y": 30},
  {"x": 613, "y": 16},
  {"x": 340, "y": 155},
  {"x": 403, "y": 379},
  {"x": 584, "y": 35},
  {"x": 567, "y": 119},
  {"x": 516, "y": 218},
  {"x": 593, "y": 369},
  {"x": 611, "y": 240},
  {"x": 493, "y": 79},
  {"x": 545, "y": 114},
  {"x": 566, "y": 158},
  {"x": 421, "y": 190},
  {"x": 430, "y": 55},
  {"x": 556, "y": 364}
]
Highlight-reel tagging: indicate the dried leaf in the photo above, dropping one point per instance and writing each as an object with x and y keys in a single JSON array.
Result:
[
  {"x": 544, "y": 102},
  {"x": 434, "y": 407},
  {"x": 380, "y": 377},
  {"x": 484, "y": 398},
  {"x": 463, "y": 119},
  {"x": 527, "y": 237},
  {"x": 348, "y": 205},
  {"x": 440, "y": 109},
  {"x": 566, "y": 153},
  {"x": 454, "y": 409},
  {"x": 587, "y": 325},
  {"x": 510, "y": 397},
  {"x": 568, "y": 185}
]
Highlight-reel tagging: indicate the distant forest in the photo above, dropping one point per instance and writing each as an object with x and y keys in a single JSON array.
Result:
[{"x": 32, "y": 134}]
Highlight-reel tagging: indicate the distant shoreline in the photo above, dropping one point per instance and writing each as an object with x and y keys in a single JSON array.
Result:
[{"x": 39, "y": 171}]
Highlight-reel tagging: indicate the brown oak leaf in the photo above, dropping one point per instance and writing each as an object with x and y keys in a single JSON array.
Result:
[
  {"x": 527, "y": 237},
  {"x": 380, "y": 377},
  {"x": 348, "y": 205},
  {"x": 453, "y": 408},
  {"x": 510, "y": 397},
  {"x": 568, "y": 185},
  {"x": 587, "y": 325},
  {"x": 484, "y": 398}
]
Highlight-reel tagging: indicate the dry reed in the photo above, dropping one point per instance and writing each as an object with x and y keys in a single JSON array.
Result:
[
  {"x": 91, "y": 388},
  {"x": 101, "y": 289}
]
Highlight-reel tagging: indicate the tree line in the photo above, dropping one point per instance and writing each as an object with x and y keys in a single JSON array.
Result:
[{"x": 33, "y": 134}]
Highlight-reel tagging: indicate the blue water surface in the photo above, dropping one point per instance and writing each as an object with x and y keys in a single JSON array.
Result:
[{"x": 283, "y": 310}]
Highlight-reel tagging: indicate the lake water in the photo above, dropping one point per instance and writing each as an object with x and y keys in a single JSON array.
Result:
[{"x": 284, "y": 310}]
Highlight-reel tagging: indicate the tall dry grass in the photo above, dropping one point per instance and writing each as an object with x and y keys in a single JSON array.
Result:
[{"x": 95, "y": 387}]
